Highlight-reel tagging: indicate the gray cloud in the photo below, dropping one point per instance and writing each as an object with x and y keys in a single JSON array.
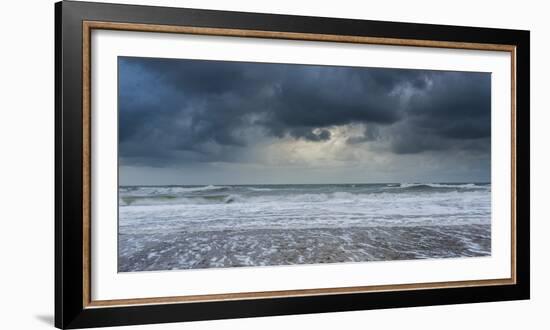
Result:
[{"x": 173, "y": 111}]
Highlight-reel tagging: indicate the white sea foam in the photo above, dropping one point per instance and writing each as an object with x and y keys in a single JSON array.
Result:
[
  {"x": 320, "y": 210},
  {"x": 220, "y": 226}
]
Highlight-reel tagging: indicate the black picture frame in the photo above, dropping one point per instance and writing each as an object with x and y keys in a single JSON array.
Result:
[{"x": 70, "y": 308}]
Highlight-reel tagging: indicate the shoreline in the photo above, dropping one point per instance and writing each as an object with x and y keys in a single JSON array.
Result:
[{"x": 274, "y": 247}]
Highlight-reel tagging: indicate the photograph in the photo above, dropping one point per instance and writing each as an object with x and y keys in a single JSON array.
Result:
[{"x": 244, "y": 164}]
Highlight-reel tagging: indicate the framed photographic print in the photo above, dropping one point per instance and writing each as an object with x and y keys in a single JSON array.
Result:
[{"x": 216, "y": 164}]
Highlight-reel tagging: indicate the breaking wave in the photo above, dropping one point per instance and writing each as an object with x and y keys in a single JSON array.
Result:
[{"x": 260, "y": 195}]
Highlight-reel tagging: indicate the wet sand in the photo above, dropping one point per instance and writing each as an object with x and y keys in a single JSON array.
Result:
[{"x": 270, "y": 247}]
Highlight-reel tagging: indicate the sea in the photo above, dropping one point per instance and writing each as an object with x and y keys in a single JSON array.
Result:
[{"x": 210, "y": 226}]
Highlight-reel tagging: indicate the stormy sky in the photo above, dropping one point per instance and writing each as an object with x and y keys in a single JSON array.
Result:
[{"x": 219, "y": 122}]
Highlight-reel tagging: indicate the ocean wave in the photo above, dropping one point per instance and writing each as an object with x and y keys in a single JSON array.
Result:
[
  {"x": 303, "y": 198},
  {"x": 170, "y": 190},
  {"x": 220, "y": 199},
  {"x": 438, "y": 186},
  {"x": 202, "y": 188},
  {"x": 174, "y": 200},
  {"x": 259, "y": 189},
  {"x": 187, "y": 195}
]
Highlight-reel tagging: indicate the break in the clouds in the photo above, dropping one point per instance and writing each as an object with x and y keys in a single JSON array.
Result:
[{"x": 199, "y": 122}]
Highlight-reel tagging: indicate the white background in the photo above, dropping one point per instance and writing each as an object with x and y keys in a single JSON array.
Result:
[{"x": 26, "y": 167}]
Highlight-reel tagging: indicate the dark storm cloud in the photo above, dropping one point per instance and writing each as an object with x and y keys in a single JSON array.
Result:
[
  {"x": 455, "y": 112},
  {"x": 201, "y": 111}
]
